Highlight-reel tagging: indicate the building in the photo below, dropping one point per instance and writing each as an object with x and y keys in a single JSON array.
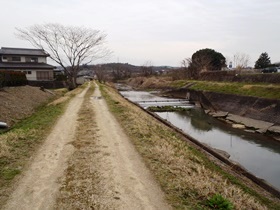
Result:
[{"x": 33, "y": 62}]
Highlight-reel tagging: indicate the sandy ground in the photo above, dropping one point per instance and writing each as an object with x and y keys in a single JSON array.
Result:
[{"x": 92, "y": 167}]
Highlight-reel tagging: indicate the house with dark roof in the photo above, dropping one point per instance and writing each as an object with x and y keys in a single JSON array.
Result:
[{"x": 33, "y": 62}]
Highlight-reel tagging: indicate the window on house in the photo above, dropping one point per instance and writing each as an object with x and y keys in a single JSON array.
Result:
[
  {"x": 28, "y": 72},
  {"x": 16, "y": 59},
  {"x": 5, "y": 58},
  {"x": 34, "y": 59},
  {"x": 44, "y": 75}
]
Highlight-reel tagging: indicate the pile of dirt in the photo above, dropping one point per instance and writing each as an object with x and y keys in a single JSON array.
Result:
[{"x": 17, "y": 103}]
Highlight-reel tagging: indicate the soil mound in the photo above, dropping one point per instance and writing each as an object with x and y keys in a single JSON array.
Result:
[{"x": 19, "y": 102}]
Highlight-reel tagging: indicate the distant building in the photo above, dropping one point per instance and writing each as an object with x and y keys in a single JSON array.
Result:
[
  {"x": 230, "y": 65},
  {"x": 33, "y": 62}
]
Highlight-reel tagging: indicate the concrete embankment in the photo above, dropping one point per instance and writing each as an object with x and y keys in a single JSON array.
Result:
[{"x": 258, "y": 114}]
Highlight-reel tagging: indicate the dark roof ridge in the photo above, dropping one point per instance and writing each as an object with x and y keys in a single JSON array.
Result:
[
  {"x": 23, "y": 51},
  {"x": 18, "y": 48}
]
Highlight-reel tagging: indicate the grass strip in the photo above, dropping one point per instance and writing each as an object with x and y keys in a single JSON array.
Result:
[
  {"x": 271, "y": 91},
  {"x": 188, "y": 178}
]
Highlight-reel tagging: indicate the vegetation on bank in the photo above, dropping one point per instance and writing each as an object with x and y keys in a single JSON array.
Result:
[
  {"x": 187, "y": 176},
  {"x": 263, "y": 90},
  {"x": 271, "y": 91},
  {"x": 18, "y": 144}
]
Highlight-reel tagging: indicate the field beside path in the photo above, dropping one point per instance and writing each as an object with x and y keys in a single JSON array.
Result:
[{"x": 186, "y": 175}]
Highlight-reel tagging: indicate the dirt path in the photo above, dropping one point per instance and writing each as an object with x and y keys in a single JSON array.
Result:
[
  {"x": 38, "y": 187},
  {"x": 92, "y": 167},
  {"x": 128, "y": 174}
]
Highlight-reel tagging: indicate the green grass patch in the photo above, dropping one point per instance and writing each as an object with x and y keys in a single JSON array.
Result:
[
  {"x": 9, "y": 174},
  {"x": 178, "y": 83},
  {"x": 271, "y": 91},
  {"x": 219, "y": 202}
]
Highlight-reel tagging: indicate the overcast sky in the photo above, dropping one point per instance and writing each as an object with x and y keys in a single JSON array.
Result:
[{"x": 161, "y": 31}]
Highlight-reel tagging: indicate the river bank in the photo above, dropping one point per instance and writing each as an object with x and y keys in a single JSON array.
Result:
[
  {"x": 169, "y": 155},
  {"x": 250, "y": 113}
]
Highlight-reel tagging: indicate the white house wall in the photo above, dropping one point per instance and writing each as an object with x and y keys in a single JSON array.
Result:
[
  {"x": 24, "y": 59},
  {"x": 42, "y": 60},
  {"x": 31, "y": 76}
]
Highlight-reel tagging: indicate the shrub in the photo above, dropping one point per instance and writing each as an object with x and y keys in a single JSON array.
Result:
[
  {"x": 12, "y": 78},
  {"x": 219, "y": 202}
]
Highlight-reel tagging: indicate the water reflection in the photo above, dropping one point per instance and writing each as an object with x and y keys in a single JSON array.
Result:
[
  {"x": 197, "y": 118},
  {"x": 256, "y": 153}
]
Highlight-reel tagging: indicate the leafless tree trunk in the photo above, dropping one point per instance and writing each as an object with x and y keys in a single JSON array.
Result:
[
  {"x": 203, "y": 63},
  {"x": 68, "y": 46},
  {"x": 241, "y": 60},
  {"x": 100, "y": 72},
  {"x": 147, "y": 69},
  {"x": 193, "y": 68}
]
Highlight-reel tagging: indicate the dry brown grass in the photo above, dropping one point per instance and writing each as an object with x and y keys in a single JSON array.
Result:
[
  {"x": 183, "y": 173},
  {"x": 7, "y": 140},
  {"x": 59, "y": 100},
  {"x": 65, "y": 95}
]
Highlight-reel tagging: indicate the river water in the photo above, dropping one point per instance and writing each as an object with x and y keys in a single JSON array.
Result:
[{"x": 258, "y": 154}]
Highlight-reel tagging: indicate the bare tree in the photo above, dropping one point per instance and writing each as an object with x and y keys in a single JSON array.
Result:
[
  {"x": 241, "y": 60},
  {"x": 194, "y": 67},
  {"x": 100, "y": 72},
  {"x": 191, "y": 72},
  {"x": 202, "y": 63},
  {"x": 68, "y": 46},
  {"x": 120, "y": 72},
  {"x": 147, "y": 69}
]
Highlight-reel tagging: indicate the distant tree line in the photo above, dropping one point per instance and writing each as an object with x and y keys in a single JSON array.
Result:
[{"x": 206, "y": 60}]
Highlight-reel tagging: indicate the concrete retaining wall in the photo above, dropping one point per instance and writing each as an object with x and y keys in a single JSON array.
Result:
[{"x": 246, "y": 106}]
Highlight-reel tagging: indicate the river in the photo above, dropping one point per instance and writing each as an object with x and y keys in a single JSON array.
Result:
[{"x": 256, "y": 153}]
